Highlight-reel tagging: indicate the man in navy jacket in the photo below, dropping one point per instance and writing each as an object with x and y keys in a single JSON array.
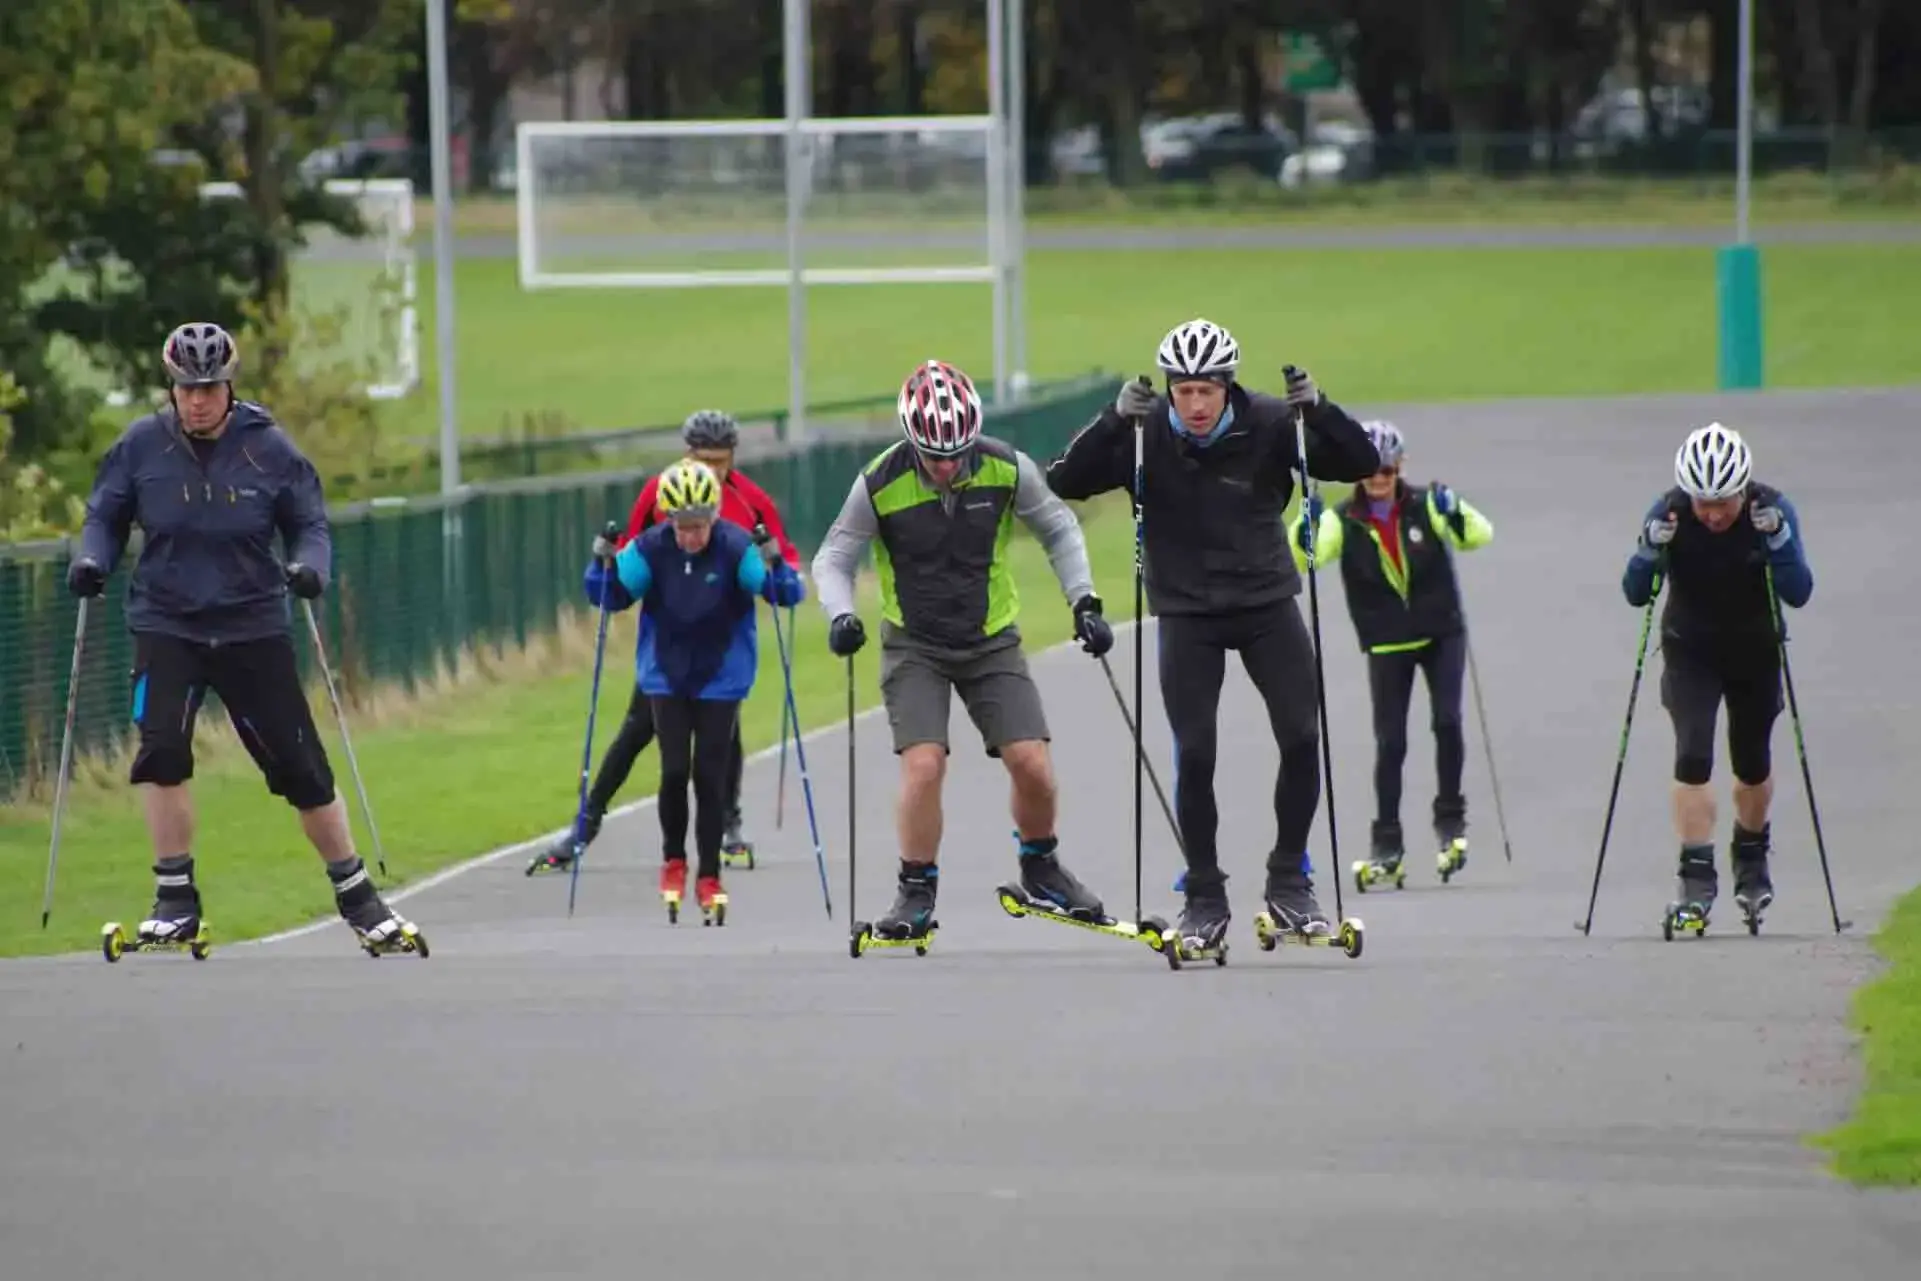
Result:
[{"x": 211, "y": 480}]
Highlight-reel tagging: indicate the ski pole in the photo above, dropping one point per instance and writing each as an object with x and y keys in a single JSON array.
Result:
[
  {"x": 1133, "y": 727},
  {"x": 1801, "y": 749},
  {"x": 790, "y": 711},
  {"x": 1309, "y": 492},
  {"x": 780, "y": 794},
  {"x": 852, "y": 882},
  {"x": 611, "y": 532},
  {"x": 1487, "y": 745},
  {"x": 1140, "y": 643},
  {"x": 66, "y": 756},
  {"x": 1620, "y": 761},
  {"x": 346, "y": 740}
]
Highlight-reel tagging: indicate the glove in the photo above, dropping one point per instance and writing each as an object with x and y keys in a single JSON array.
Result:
[
  {"x": 1446, "y": 501},
  {"x": 1301, "y": 391},
  {"x": 604, "y": 542},
  {"x": 303, "y": 580},
  {"x": 1312, "y": 509},
  {"x": 845, "y": 636},
  {"x": 85, "y": 577},
  {"x": 1095, "y": 636},
  {"x": 769, "y": 549},
  {"x": 1137, "y": 399},
  {"x": 1658, "y": 534},
  {"x": 1770, "y": 522}
]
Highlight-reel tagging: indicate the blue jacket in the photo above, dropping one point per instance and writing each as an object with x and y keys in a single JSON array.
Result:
[
  {"x": 1718, "y": 598},
  {"x": 207, "y": 571},
  {"x": 698, "y": 636}
]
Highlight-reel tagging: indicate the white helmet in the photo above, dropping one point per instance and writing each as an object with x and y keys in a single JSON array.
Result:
[
  {"x": 1199, "y": 349},
  {"x": 1713, "y": 463},
  {"x": 1387, "y": 440}
]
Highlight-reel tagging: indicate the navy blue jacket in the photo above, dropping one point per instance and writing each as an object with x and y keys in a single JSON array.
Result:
[
  {"x": 207, "y": 571},
  {"x": 1718, "y": 604},
  {"x": 698, "y": 635}
]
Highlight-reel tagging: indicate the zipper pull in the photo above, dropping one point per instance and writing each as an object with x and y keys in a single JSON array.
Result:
[{"x": 186, "y": 495}]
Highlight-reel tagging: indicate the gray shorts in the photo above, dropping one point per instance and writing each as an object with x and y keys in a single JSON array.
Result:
[{"x": 993, "y": 681}]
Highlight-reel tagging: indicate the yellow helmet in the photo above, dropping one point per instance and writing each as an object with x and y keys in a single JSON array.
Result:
[{"x": 689, "y": 488}]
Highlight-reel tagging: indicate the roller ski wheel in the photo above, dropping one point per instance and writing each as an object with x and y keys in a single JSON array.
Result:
[
  {"x": 115, "y": 943},
  {"x": 1017, "y": 902},
  {"x": 1753, "y": 909},
  {"x": 407, "y": 938},
  {"x": 673, "y": 887},
  {"x": 1451, "y": 859},
  {"x": 1683, "y": 918},
  {"x": 738, "y": 854},
  {"x": 559, "y": 858},
  {"x": 863, "y": 939},
  {"x": 1368, "y": 873},
  {"x": 1180, "y": 949},
  {"x": 712, "y": 900},
  {"x": 1350, "y": 936}
]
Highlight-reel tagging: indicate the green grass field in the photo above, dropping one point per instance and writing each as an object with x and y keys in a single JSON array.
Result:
[
  {"x": 516, "y": 734},
  {"x": 1881, "y": 1142},
  {"x": 1373, "y": 325}
]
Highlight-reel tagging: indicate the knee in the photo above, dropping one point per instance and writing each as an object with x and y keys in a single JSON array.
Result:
[
  {"x": 923, "y": 767},
  {"x": 1446, "y": 720},
  {"x": 1693, "y": 769},
  {"x": 1752, "y": 764},
  {"x": 164, "y": 762},
  {"x": 1029, "y": 763},
  {"x": 1301, "y": 758},
  {"x": 306, "y": 784}
]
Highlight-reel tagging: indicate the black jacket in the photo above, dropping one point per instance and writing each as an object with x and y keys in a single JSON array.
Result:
[
  {"x": 207, "y": 571},
  {"x": 1425, "y": 604},
  {"x": 1214, "y": 537}
]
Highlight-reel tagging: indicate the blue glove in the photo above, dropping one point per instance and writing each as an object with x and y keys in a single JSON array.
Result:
[
  {"x": 783, "y": 584},
  {"x": 1445, "y": 501},
  {"x": 1312, "y": 509}
]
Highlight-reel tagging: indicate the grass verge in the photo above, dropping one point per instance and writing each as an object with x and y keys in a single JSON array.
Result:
[
  {"x": 1881, "y": 1143},
  {"x": 489, "y": 758}
]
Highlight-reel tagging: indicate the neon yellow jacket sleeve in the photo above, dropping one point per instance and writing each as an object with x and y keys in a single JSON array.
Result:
[
  {"x": 1477, "y": 530},
  {"x": 1327, "y": 541}
]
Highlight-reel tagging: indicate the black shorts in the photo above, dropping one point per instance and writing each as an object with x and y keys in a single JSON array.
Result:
[
  {"x": 1693, "y": 687},
  {"x": 258, "y": 681}
]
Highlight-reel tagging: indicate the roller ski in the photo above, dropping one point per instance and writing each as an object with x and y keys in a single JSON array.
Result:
[
  {"x": 909, "y": 922},
  {"x": 381, "y": 930},
  {"x": 712, "y": 899},
  {"x": 1046, "y": 889},
  {"x": 1383, "y": 863},
  {"x": 1201, "y": 933},
  {"x": 568, "y": 846},
  {"x": 1450, "y": 829},
  {"x": 673, "y": 886},
  {"x": 735, "y": 849},
  {"x": 1753, "y": 888},
  {"x": 173, "y": 925},
  {"x": 1291, "y": 914},
  {"x": 1695, "y": 893}
]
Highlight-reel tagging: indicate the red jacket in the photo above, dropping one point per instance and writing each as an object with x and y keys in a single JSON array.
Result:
[{"x": 741, "y": 501}]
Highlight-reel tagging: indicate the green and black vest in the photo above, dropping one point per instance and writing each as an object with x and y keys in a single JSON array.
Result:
[
  {"x": 942, "y": 558},
  {"x": 1405, "y": 606}
]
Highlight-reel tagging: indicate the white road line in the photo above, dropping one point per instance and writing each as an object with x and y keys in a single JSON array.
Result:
[{"x": 620, "y": 811}]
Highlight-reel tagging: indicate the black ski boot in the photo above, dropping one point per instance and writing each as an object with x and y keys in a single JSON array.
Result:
[
  {"x": 175, "y": 917},
  {"x": 1291, "y": 902},
  {"x": 735, "y": 849},
  {"x": 1045, "y": 878},
  {"x": 1753, "y": 887},
  {"x": 913, "y": 912},
  {"x": 559, "y": 856},
  {"x": 1383, "y": 863},
  {"x": 378, "y": 927},
  {"x": 1695, "y": 888},
  {"x": 1450, "y": 835},
  {"x": 1205, "y": 916}
]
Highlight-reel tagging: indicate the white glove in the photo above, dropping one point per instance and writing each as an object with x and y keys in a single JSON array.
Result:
[
  {"x": 603, "y": 549},
  {"x": 1659, "y": 533},
  {"x": 1301, "y": 391},
  {"x": 1137, "y": 399}
]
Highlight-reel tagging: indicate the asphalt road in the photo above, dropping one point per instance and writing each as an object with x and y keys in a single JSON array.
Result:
[{"x": 1485, "y": 1094}]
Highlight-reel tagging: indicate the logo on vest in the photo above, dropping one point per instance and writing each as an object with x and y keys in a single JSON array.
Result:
[{"x": 1414, "y": 535}]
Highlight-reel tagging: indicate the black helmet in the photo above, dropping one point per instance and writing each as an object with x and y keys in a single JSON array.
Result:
[
  {"x": 710, "y": 429},
  {"x": 200, "y": 355}
]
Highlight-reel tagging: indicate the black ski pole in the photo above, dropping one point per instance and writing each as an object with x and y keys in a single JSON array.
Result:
[
  {"x": 1308, "y": 494},
  {"x": 1153, "y": 775},
  {"x": 1487, "y": 745},
  {"x": 1801, "y": 749},
  {"x": 1614, "y": 792},
  {"x": 853, "y": 912},
  {"x": 1140, "y": 643}
]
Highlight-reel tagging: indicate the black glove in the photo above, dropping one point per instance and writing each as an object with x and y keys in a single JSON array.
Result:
[
  {"x": 1095, "y": 636},
  {"x": 845, "y": 636},
  {"x": 769, "y": 549},
  {"x": 85, "y": 577},
  {"x": 303, "y": 580}
]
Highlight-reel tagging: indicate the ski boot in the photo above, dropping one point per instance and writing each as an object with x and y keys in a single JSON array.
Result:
[
  {"x": 569, "y": 845},
  {"x": 1291, "y": 914},
  {"x": 378, "y": 927},
  {"x": 1055, "y": 889},
  {"x": 173, "y": 924},
  {"x": 1694, "y": 893},
  {"x": 1201, "y": 933},
  {"x": 712, "y": 899},
  {"x": 673, "y": 885},
  {"x": 736, "y": 850},
  {"x": 1753, "y": 888},
  {"x": 910, "y": 922},
  {"x": 1383, "y": 862},
  {"x": 1450, "y": 831}
]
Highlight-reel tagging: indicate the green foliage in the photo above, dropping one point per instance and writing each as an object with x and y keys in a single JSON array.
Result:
[
  {"x": 33, "y": 504},
  {"x": 318, "y": 395}
]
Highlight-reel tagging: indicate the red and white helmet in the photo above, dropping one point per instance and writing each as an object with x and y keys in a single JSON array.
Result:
[{"x": 940, "y": 411}]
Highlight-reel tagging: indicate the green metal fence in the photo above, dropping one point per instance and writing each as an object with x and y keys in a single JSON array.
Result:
[{"x": 417, "y": 581}]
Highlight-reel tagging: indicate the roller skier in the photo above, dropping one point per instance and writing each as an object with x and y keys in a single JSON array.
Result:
[
  {"x": 1393, "y": 542},
  {"x": 212, "y": 480},
  {"x": 711, "y": 437},
  {"x": 1715, "y": 541},
  {"x": 1217, "y": 475},
  {"x": 938, "y": 507},
  {"x": 696, "y": 577}
]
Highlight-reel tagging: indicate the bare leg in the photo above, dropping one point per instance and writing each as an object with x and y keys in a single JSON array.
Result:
[
  {"x": 169, "y": 813},
  {"x": 918, "y": 821},
  {"x": 329, "y": 831},
  {"x": 1035, "y": 799},
  {"x": 1694, "y": 814},
  {"x": 1751, "y": 804}
]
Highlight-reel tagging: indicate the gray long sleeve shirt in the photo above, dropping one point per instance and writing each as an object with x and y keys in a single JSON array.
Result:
[{"x": 1050, "y": 519}]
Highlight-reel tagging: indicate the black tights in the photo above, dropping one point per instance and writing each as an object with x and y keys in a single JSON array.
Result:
[
  {"x": 630, "y": 740},
  {"x": 696, "y": 745},
  {"x": 1390, "y": 679}
]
